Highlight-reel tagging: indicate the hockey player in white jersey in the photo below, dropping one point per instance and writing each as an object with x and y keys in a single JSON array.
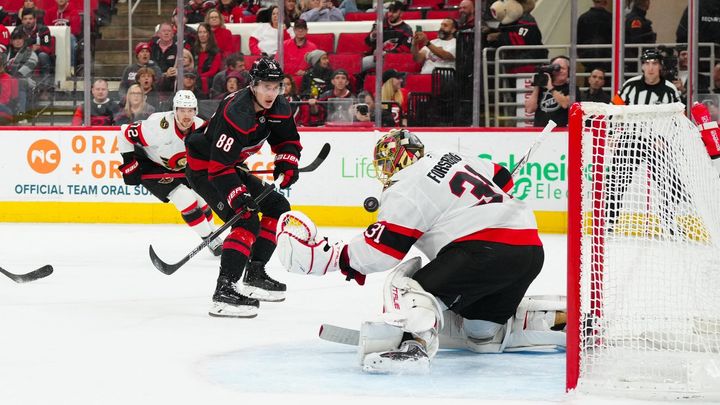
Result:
[
  {"x": 154, "y": 155},
  {"x": 484, "y": 252}
]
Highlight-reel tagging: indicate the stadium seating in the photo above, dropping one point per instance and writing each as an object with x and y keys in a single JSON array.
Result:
[
  {"x": 402, "y": 62},
  {"x": 236, "y": 41},
  {"x": 324, "y": 41},
  {"x": 352, "y": 42},
  {"x": 360, "y": 16},
  {"x": 351, "y": 62},
  {"x": 434, "y": 4},
  {"x": 440, "y": 14}
]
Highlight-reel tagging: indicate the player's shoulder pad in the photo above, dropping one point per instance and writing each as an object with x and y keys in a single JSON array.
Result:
[
  {"x": 237, "y": 110},
  {"x": 280, "y": 108}
]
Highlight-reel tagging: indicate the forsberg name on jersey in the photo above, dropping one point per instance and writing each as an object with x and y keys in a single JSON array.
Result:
[{"x": 442, "y": 167}]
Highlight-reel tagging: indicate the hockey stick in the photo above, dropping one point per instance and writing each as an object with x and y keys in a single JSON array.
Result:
[
  {"x": 169, "y": 269},
  {"x": 338, "y": 334},
  {"x": 324, "y": 151},
  {"x": 522, "y": 162},
  {"x": 43, "y": 271}
]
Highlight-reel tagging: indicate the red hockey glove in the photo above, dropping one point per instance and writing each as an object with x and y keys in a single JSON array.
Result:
[
  {"x": 131, "y": 172},
  {"x": 242, "y": 202},
  {"x": 287, "y": 164}
]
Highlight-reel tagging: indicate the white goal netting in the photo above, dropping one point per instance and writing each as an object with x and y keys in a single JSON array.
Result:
[{"x": 650, "y": 255}]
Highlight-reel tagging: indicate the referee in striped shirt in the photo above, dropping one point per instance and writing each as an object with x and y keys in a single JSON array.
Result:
[
  {"x": 637, "y": 147},
  {"x": 650, "y": 87}
]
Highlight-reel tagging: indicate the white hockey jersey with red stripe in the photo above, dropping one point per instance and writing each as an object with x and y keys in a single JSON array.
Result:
[
  {"x": 442, "y": 198},
  {"x": 159, "y": 138}
]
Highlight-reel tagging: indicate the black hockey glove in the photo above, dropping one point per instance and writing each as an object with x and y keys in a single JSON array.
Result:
[
  {"x": 242, "y": 202},
  {"x": 286, "y": 163},
  {"x": 131, "y": 173}
]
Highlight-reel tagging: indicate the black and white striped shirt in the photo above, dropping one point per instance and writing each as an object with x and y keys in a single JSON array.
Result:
[{"x": 635, "y": 91}]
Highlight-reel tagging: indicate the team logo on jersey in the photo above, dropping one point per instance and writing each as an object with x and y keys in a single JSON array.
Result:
[
  {"x": 166, "y": 180},
  {"x": 261, "y": 120},
  {"x": 164, "y": 124}
]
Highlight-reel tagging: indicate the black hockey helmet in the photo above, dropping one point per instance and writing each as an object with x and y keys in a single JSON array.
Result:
[
  {"x": 266, "y": 69},
  {"x": 651, "y": 54}
]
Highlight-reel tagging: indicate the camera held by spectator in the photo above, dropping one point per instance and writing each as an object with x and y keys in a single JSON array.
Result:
[
  {"x": 362, "y": 109},
  {"x": 543, "y": 73}
]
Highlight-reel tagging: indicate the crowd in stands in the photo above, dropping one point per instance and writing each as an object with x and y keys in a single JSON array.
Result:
[{"x": 329, "y": 84}]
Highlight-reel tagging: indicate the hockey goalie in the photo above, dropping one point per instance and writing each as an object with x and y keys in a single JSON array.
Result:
[{"x": 484, "y": 252}]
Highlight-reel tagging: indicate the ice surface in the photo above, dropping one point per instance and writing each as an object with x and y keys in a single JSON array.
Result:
[{"x": 108, "y": 328}]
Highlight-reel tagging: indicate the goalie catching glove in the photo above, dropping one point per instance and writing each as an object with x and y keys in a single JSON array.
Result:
[{"x": 300, "y": 252}]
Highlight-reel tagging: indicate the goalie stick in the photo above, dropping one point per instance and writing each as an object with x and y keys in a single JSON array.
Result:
[
  {"x": 167, "y": 268},
  {"x": 338, "y": 334},
  {"x": 42, "y": 272},
  {"x": 523, "y": 161}
]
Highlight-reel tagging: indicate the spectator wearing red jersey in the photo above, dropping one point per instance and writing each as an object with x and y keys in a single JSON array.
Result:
[
  {"x": 4, "y": 39},
  {"x": 223, "y": 36},
  {"x": 296, "y": 49},
  {"x": 6, "y": 93},
  {"x": 62, "y": 13},
  {"x": 208, "y": 57},
  {"x": 232, "y": 13}
]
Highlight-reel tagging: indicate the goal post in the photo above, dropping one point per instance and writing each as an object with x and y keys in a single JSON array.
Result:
[{"x": 643, "y": 254}]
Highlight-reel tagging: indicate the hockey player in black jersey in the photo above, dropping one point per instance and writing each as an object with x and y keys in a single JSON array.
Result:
[{"x": 242, "y": 123}]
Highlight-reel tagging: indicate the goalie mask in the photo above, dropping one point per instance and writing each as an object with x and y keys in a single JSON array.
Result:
[{"x": 395, "y": 151}]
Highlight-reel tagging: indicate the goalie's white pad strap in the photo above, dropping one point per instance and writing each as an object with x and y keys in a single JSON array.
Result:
[
  {"x": 708, "y": 125},
  {"x": 376, "y": 337},
  {"x": 405, "y": 299}
]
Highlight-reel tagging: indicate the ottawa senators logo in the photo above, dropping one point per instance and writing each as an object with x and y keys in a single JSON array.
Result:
[{"x": 164, "y": 124}]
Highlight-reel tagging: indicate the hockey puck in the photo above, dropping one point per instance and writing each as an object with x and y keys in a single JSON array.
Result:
[{"x": 371, "y": 204}]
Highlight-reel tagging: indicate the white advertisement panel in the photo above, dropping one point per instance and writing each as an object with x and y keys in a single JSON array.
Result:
[{"x": 81, "y": 165}]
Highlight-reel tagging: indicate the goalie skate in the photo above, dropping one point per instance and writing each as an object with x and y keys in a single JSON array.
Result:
[
  {"x": 229, "y": 303},
  {"x": 410, "y": 358},
  {"x": 257, "y": 284}
]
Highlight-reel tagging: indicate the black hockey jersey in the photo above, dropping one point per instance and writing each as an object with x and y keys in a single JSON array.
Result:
[{"x": 236, "y": 132}]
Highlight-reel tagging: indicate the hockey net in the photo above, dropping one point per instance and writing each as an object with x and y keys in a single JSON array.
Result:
[{"x": 643, "y": 254}]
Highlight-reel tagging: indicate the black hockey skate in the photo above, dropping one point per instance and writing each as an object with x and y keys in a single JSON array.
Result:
[
  {"x": 228, "y": 302},
  {"x": 410, "y": 358},
  {"x": 215, "y": 246},
  {"x": 257, "y": 284}
]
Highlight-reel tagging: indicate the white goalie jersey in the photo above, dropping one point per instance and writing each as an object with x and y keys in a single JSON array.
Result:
[
  {"x": 442, "y": 198},
  {"x": 159, "y": 138}
]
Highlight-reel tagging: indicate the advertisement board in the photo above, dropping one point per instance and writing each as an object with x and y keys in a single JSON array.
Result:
[{"x": 69, "y": 168}]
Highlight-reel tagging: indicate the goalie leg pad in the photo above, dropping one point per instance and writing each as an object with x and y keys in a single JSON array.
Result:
[
  {"x": 539, "y": 324},
  {"x": 381, "y": 349}
]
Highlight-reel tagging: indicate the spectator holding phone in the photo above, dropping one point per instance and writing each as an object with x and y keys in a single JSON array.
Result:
[
  {"x": 440, "y": 52},
  {"x": 322, "y": 10}
]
